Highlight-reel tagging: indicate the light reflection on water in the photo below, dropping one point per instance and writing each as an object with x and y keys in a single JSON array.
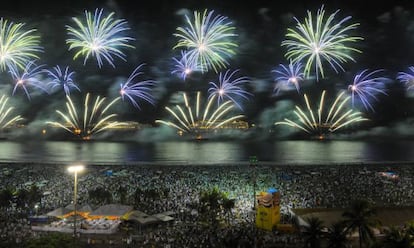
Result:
[{"x": 207, "y": 152}]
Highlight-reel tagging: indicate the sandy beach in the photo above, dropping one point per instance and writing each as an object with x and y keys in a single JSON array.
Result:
[{"x": 178, "y": 187}]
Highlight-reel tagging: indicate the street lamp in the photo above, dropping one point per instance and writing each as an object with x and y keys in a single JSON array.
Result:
[
  {"x": 36, "y": 208},
  {"x": 75, "y": 169}
]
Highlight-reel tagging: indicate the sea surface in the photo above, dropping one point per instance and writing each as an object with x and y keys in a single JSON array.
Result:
[{"x": 208, "y": 152}]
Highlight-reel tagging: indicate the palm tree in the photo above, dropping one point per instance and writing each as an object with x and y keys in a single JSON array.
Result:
[
  {"x": 397, "y": 238},
  {"x": 6, "y": 197},
  {"x": 361, "y": 217},
  {"x": 337, "y": 236},
  {"x": 313, "y": 232},
  {"x": 410, "y": 228},
  {"x": 228, "y": 205},
  {"x": 210, "y": 204},
  {"x": 34, "y": 196},
  {"x": 22, "y": 198}
]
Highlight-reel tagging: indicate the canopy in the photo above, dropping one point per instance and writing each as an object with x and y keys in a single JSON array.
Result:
[
  {"x": 111, "y": 210},
  {"x": 133, "y": 215},
  {"x": 143, "y": 218},
  {"x": 85, "y": 208},
  {"x": 59, "y": 212},
  {"x": 70, "y": 207},
  {"x": 146, "y": 220},
  {"x": 163, "y": 217}
]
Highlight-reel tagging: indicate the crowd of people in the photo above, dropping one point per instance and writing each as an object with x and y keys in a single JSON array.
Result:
[{"x": 177, "y": 188}]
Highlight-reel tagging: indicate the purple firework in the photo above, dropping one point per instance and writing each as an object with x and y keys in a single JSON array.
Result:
[
  {"x": 407, "y": 77},
  {"x": 132, "y": 89},
  {"x": 367, "y": 86},
  {"x": 62, "y": 78},
  {"x": 185, "y": 66},
  {"x": 229, "y": 88},
  {"x": 28, "y": 78},
  {"x": 288, "y": 76}
]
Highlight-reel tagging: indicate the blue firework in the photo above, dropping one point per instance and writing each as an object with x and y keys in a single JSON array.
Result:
[
  {"x": 99, "y": 36},
  {"x": 229, "y": 88},
  {"x": 134, "y": 90},
  {"x": 185, "y": 66},
  {"x": 28, "y": 78},
  {"x": 62, "y": 78},
  {"x": 407, "y": 77},
  {"x": 288, "y": 76},
  {"x": 367, "y": 86}
]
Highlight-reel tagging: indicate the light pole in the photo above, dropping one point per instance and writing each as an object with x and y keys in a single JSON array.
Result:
[
  {"x": 36, "y": 208},
  {"x": 75, "y": 169}
]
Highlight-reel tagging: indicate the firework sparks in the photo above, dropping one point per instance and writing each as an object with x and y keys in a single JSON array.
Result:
[
  {"x": 185, "y": 66},
  {"x": 28, "y": 78},
  {"x": 314, "y": 42},
  {"x": 286, "y": 76},
  {"x": 17, "y": 47},
  {"x": 99, "y": 36},
  {"x": 194, "y": 120},
  {"x": 94, "y": 119},
  {"x": 407, "y": 78},
  {"x": 367, "y": 86},
  {"x": 337, "y": 117},
  {"x": 132, "y": 89},
  {"x": 229, "y": 88},
  {"x": 6, "y": 120},
  {"x": 62, "y": 78},
  {"x": 208, "y": 40}
]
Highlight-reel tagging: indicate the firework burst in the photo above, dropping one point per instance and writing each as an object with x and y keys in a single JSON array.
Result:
[
  {"x": 367, "y": 86},
  {"x": 62, "y": 78},
  {"x": 286, "y": 76},
  {"x": 208, "y": 40},
  {"x": 229, "y": 88},
  {"x": 321, "y": 40},
  {"x": 28, "y": 78},
  {"x": 407, "y": 78},
  {"x": 195, "y": 120},
  {"x": 17, "y": 47},
  {"x": 6, "y": 120},
  {"x": 99, "y": 36},
  {"x": 337, "y": 117},
  {"x": 95, "y": 118},
  {"x": 132, "y": 89},
  {"x": 185, "y": 66}
]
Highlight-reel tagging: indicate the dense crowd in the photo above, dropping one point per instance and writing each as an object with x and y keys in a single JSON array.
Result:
[{"x": 177, "y": 189}]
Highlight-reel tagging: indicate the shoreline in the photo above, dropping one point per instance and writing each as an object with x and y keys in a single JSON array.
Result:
[{"x": 209, "y": 164}]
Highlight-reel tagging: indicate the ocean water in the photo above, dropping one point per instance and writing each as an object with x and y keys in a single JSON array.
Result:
[{"x": 209, "y": 152}]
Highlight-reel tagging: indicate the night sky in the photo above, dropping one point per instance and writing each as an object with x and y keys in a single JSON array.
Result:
[{"x": 387, "y": 28}]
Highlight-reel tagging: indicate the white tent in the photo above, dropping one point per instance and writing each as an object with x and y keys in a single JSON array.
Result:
[
  {"x": 114, "y": 210},
  {"x": 85, "y": 208},
  {"x": 163, "y": 218},
  {"x": 59, "y": 212}
]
